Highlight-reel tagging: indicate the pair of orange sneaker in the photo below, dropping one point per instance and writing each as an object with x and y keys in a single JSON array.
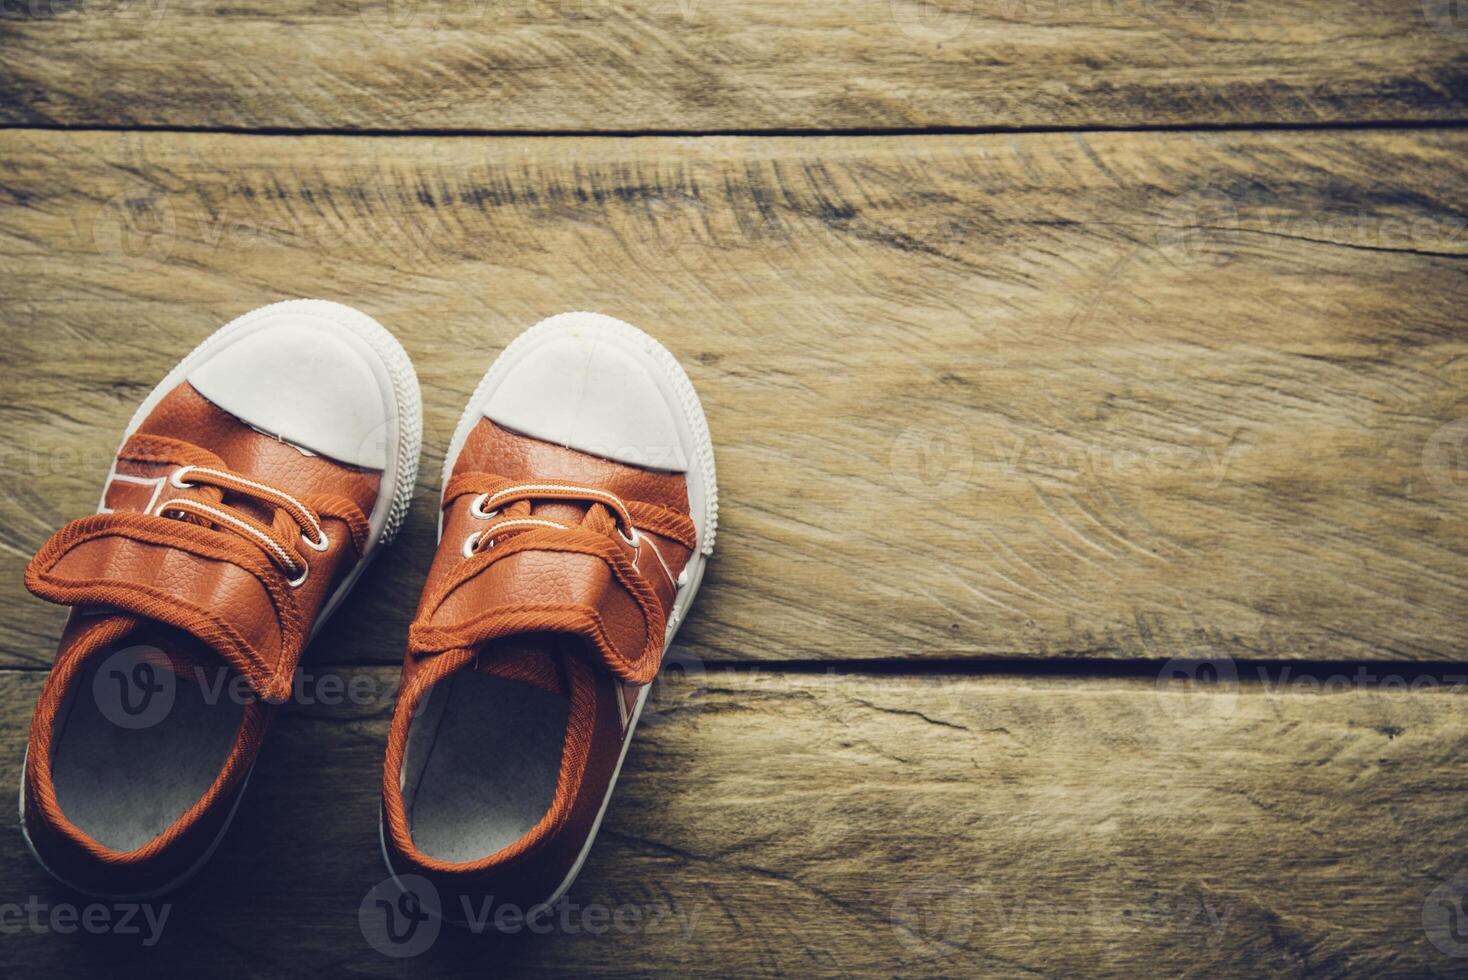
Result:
[{"x": 251, "y": 490}]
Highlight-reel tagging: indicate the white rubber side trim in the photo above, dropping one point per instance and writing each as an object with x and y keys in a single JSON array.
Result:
[
  {"x": 698, "y": 448},
  {"x": 570, "y": 878},
  {"x": 394, "y": 496}
]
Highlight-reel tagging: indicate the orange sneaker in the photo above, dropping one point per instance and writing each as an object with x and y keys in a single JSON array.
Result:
[
  {"x": 252, "y": 488},
  {"x": 579, "y": 509}
]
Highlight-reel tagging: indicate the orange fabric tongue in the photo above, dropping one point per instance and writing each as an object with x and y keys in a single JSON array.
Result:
[
  {"x": 165, "y": 647},
  {"x": 531, "y": 658},
  {"x": 560, "y": 510},
  {"x": 571, "y": 513},
  {"x": 179, "y": 651}
]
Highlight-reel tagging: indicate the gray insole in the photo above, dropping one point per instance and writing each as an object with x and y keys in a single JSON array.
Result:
[
  {"x": 127, "y": 764},
  {"x": 482, "y": 762}
]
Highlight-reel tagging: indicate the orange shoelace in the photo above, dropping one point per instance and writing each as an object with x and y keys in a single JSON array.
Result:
[
  {"x": 281, "y": 547},
  {"x": 296, "y": 523},
  {"x": 507, "y": 506}
]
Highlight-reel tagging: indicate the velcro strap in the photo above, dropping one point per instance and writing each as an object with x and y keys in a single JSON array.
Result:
[
  {"x": 190, "y": 577},
  {"x": 561, "y": 581}
]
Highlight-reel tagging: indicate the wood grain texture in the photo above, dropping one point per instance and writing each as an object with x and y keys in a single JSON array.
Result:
[
  {"x": 824, "y": 825},
  {"x": 1117, "y": 395},
  {"x": 719, "y": 65}
]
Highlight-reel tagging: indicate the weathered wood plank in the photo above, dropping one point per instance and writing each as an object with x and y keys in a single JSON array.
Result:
[
  {"x": 1119, "y": 395},
  {"x": 701, "y": 65},
  {"x": 839, "y": 825}
]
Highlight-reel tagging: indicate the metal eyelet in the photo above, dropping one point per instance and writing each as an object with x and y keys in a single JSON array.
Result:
[
  {"x": 314, "y": 546},
  {"x": 470, "y": 544},
  {"x": 635, "y": 540},
  {"x": 296, "y": 583},
  {"x": 477, "y": 511},
  {"x": 178, "y": 483}
]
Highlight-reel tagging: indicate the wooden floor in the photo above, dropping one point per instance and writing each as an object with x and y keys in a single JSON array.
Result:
[{"x": 1049, "y": 350}]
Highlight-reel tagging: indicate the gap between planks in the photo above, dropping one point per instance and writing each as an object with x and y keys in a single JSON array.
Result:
[{"x": 1189, "y": 127}]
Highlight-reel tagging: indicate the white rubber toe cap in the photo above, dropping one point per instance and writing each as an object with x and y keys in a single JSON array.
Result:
[
  {"x": 592, "y": 390},
  {"x": 303, "y": 377}
]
